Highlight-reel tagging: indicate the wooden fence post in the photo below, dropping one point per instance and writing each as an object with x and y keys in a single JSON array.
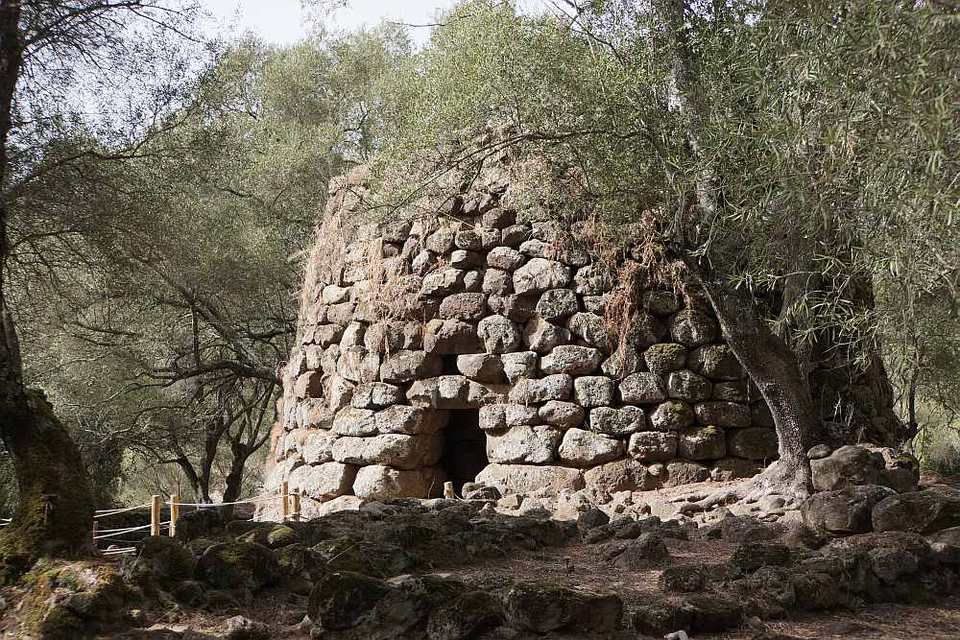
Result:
[
  {"x": 174, "y": 514},
  {"x": 296, "y": 505},
  {"x": 285, "y": 499},
  {"x": 94, "y": 534},
  {"x": 155, "y": 503}
]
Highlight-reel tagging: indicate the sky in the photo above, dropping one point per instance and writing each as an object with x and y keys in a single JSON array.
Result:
[{"x": 283, "y": 21}]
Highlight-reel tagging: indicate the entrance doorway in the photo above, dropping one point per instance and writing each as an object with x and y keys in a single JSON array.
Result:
[{"x": 464, "y": 447}]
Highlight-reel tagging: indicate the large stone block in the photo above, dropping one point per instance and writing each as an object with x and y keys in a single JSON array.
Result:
[
  {"x": 661, "y": 303},
  {"x": 620, "y": 475},
  {"x": 442, "y": 283},
  {"x": 702, "y": 443},
  {"x": 539, "y": 275},
  {"x": 376, "y": 395},
  {"x": 482, "y": 367},
  {"x": 593, "y": 280},
  {"x": 562, "y": 414},
  {"x": 394, "y": 336},
  {"x": 316, "y": 447},
  {"x": 516, "y": 478},
  {"x": 464, "y": 306},
  {"x": 338, "y": 391},
  {"x": 671, "y": 415},
  {"x": 453, "y": 392},
  {"x": 393, "y": 450},
  {"x": 523, "y": 445},
  {"x": 505, "y": 259},
  {"x": 520, "y": 364},
  {"x": 323, "y": 482},
  {"x": 577, "y": 361},
  {"x": 588, "y": 449},
  {"x": 843, "y": 512},
  {"x": 404, "y": 366},
  {"x": 309, "y": 385},
  {"x": 643, "y": 388},
  {"x": 723, "y": 414},
  {"x": 519, "y": 308},
  {"x": 665, "y": 357},
  {"x": 402, "y": 418},
  {"x": 555, "y": 387},
  {"x": 617, "y": 422},
  {"x": 451, "y": 337},
  {"x": 716, "y": 361},
  {"x": 693, "y": 328},
  {"x": 313, "y": 413},
  {"x": 355, "y": 422},
  {"x": 847, "y": 466},
  {"x": 499, "y": 334},
  {"x": 542, "y": 336},
  {"x": 379, "y": 482},
  {"x": 590, "y": 328},
  {"x": 757, "y": 443},
  {"x": 557, "y": 304},
  {"x": 499, "y": 417},
  {"x": 497, "y": 282},
  {"x": 688, "y": 386},
  {"x": 653, "y": 446},
  {"x": 594, "y": 391}
]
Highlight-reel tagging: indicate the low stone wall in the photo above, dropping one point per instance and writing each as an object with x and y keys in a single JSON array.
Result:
[{"x": 484, "y": 307}]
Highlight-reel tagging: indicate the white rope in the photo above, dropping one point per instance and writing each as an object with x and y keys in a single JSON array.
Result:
[
  {"x": 103, "y": 513},
  {"x": 213, "y": 505},
  {"x": 112, "y": 533},
  {"x": 117, "y": 552}
]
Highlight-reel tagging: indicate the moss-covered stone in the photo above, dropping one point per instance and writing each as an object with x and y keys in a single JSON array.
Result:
[
  {"x": 163, "y": 561},
  {"x": 238, "y": 565}
]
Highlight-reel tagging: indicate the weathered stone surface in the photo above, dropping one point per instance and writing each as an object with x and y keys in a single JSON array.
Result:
[
  {"x": 653, "y": 446},
  {"x": 523, "y": 445},
  {"x": 516, "y": 478},
  {"x": 442, "y": 283},
  {"x": 394, "y": 450},
  {"x": 499, "y": 334},
  {"x": 451, "y": 337},
  {"x": 587, "y": 449},
  {"x": 353, "y": 335},
  {"x": 409, "y": 420},
  {"x": 309, "y": 385},
  {"x": 681, "y": 473},
  {"x": 843, "y": 512},
  {"x": 723, "y": 414},
  {"x": 661, "y": 303},
  {"x": 452, "y": 392},
  {"x": 756, "y": 443},
  {"x": 468, "y": 239},
  {"x": 355, "y": 422},
  {"x": 482, "y": 367},
  {"x": 463, "y": 306},
  {"x": 379, "y": 482},
  {"x": 639, "y": 554},
  {"x": 316, "y": 447},
  {"x": 547, "y": 609},
  {"x": 620, "y": 475},
  {"x": 323, "y": 481},
  {"x": 642, "y": 388},
  {"x": 596, "y": 304},
  {"x": 498, "y": 417},
  {"x": 734, "y": 391},
  {"x": 925, "y": 511},
  {"x": 671, "y": 415},
  {"x": 539, "y": 275},
  {"x": 520, "y": 364},
  {"x": 376, "y": 395},
  {"x": 617, "y": 422},
  {"x": 542, "y": 336},
  {"x": 702, "y": 443},
  {"x": 404, "y": 366},
  {"x": 519, "y": 308},
  {"x": 688, "y": 386},
  {"x": 338, "y": 391},
  {"x": 734, "y": 468},
  {"x": 554, "y": 387},
  {"x": 693, "y": 328},
  {"x": 715, "y": 361},
  {"x": 499, "y": 218},
  {"x": 594, "y": 391},
  {"x": 562, "y": 414},
  {"x": 460, "y": 259},
  {"x": 577, "y": 361},
  {"x": 593, "y": 280},
  {"x": 847, "y": 466},
  {"x": 497, "y": 282},
  {"x": 332, "y": 294},
  {"x": 314, "y": 413},
  {"x": 589, "y": 328},
  {"x": 557, "y": 304},
  {"x": 505, "y": 259},
  {"x": 664, "y": 357},
  {"x": 441, "y": 241},
  {"x": 391, "y": 337}
]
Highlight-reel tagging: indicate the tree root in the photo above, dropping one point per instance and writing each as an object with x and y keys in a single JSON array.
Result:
[{"x": 789, "y": 480}]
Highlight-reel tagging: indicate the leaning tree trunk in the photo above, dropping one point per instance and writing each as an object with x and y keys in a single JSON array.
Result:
[{"x": 55, "y": 514}]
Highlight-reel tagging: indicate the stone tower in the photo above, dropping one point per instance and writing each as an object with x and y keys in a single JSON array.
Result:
[{"x": 471, "y": 342}]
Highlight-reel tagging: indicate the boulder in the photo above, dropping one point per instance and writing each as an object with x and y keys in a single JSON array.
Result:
[
  {"x": 497, "y": 282},
  {"x": 324, "y": 481},
  {"x": 926, "y": 511},
  {"x": 519, "y": 308},
  {"x": 539, "y": 275},
  {"x": 640, "y": 553},
  {"x": 452, "y": 392},
  {"x": 542, "y": 336},
  {"x": 499, "y": 334},
  {"x": 681, "y": 473},
  {"x": 621, "y": 475},
  {"x": 468, "y": 615},
  {"x": 482, "y": 367},
  {"x": 688, "y": 386},
  {"x": 505, "y": 259},
  {"x": 664, "y": 357},
  {"x": 590, "y": 328},
  {"x": 523, "y": 445},
  {"x": 380, "y": 482},
  {"x": 442, "y": 283},
  {"x": 562, "y": 414},
  {"x": 497, "y": 417},
  {"x": 517, "y": 478},
  {"x": 521, "y": 364},
  {"x": 671, "y": 415},
  {"x": 557, "y": 304},
  {"x": 843, "y": 512},
  {"x": 447, "y": 337},
  {"x": 410, "y": 420},
  {"x": 395, "y": 450},
  {"x": 571, "y": 359},
  {"x": 594, "y": 391},
  {"x": 617, "y": 422},
  {"x": 316, "y": 447},
  {"x": 723, "y": 414},
  {"x": 554, "y": 387},
  {"x": 404, "y": 366},
  {"x": 544, "y": 609},
  {"x": 653, "y": 446},
  {"x": 238, "y": 565},
  {"x": 163, "y": 561},
  {"x": 376, "y": 395},
  {"x": 642, "y": 388},
  {"x": 587, "y": 449},
  {"x": 463, "y": 306},
  {"x": 847, "y": 466},
  {"x": 593, "y": 280}
]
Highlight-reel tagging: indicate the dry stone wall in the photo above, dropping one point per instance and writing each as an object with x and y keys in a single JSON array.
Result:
[{"x": 411, "y": 324}]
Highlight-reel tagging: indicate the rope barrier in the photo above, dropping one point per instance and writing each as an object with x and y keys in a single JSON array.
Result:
[
  {"x": 112, "y": 533},
  {"x": 212, "y": 505},
  {"x": 103, "y": 513}
]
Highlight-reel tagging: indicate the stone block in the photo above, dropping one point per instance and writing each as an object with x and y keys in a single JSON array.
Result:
[
  {"x": 376, "y": 395},
  {"x": 665, "y": 357},
  {"x": 539, "y": 275},
  {"x": 590, "y": 328},
  {"x": 323, "y": 482},
  {"x": 531, "y": 391},
  {"x": 562, "y": 414},
  {"x": 542, "y": 336},
  {"x": 671, "y": 415},
  {"x": 451, "y": 337},
  {"x": 409, "y": 420},
  {"x": 380, "y": 482},
  {"x": 482, "y": 367},
  {"x": 404, "y": 366},
  {"x": 309, "y": 385},
  {"x": 717, "y": 362},
  {"x": 393, "y": 450},
  {"x": 594, "y": 391},
  {"x": 620, "y": 475},
  {"x": 442, "y": 283},
  {"x": 316, "y": 447},
  {"x": 702, "y": 443},
  {"x": 354, "y": 422},
  {"x": 653, "y": 446},
  {"x": 688, "y": 386},
  {"x": 593, "y": 280},
  {"x": 505, "y": 259},
  {"x": 617, "y": 422},
  {"x": 516, "y": 478},
  {"x": 453, "y": 392},
  {"x": 498, "y": 417},
  {"x": 582, "y": 448},
  {"x": 723, "y": 414},
  {"x": 463, "y": 306},
  {"x": 499, "y": 334},
  {"x": 557, "y": 304},
  {"x": 523, "y": 445},
  {"x": 572, "y": 359},
  {"x": 693, "y": 328},
  {"x": 520, "y": 364},
  {"x": 519, "y": 308},
  {"x": 642, "y": 388},
  {"x": 497, "y": 282}
]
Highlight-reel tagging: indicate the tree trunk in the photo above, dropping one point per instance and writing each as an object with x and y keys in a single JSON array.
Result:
[
  {"x": 55, "y": 514},
  {"x": 233, "y": 484}
]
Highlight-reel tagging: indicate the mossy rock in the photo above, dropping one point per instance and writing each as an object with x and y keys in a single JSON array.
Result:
[
  {"x": 298, "y": 561},
  {"x": 273, "y": 536},
  {"x": 376, "y": 559},
  {"x": 238, "y": 565},
  {"x": 69, "y": 600},
  {"x": 164, "y": 561}
]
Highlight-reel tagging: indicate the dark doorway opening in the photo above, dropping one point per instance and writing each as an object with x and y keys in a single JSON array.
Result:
[{"x": 464, "y": 448}]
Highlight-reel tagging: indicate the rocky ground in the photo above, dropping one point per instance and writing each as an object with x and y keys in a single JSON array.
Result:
[{"x": 860, "y": 561}]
